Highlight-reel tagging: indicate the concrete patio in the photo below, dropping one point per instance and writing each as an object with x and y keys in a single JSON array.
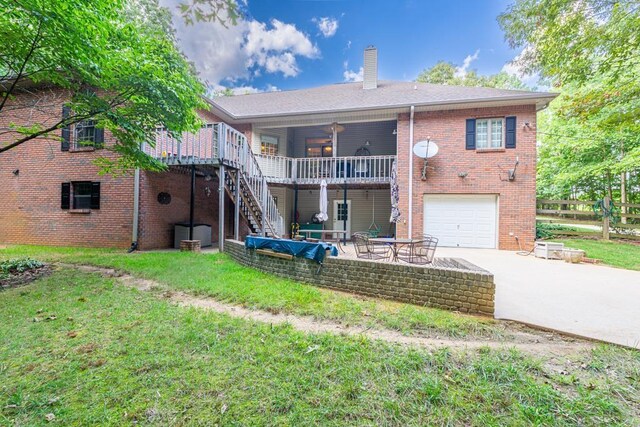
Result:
[{"x": 588, "y": 300}]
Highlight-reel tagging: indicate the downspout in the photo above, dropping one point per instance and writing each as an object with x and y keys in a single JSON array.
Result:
[
  {"x": 136, "y": 210},
  {"x": 410, "y": 228}
]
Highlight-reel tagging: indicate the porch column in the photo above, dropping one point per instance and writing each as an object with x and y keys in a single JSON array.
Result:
[
  {"x": 295, "y": 206},
  {"x": 236, "y": 231},
  {"x": 334, "y": 141},
  {"x": 344, "y": 214},
  {"x": 192, "y": 201},
  {"x": 221, "y": 210}
]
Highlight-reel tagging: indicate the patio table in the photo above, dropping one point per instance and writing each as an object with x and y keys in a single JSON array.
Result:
[
  {"x": 393, "y": 242},
  {"x": 324, "y": 232}
]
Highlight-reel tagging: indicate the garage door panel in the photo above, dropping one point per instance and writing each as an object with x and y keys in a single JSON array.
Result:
[{"x": 461, "y": 220}]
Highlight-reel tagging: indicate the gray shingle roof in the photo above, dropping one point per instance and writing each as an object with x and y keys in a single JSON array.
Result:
[{"x": 351, "y": 96}]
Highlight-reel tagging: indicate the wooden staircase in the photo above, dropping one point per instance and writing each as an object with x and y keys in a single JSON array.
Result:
[
  {"x": 250, "y": 208},
  {"x": 227, "y": 150}
]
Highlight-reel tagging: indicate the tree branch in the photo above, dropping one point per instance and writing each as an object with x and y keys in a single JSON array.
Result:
[{"x": 32, "y": 49}]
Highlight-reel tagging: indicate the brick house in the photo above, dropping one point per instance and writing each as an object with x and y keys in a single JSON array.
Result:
[{"x": 276, "y": 148}]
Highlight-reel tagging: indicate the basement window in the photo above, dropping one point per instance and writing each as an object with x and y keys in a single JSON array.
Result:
[{"x": 80, "y": 195}]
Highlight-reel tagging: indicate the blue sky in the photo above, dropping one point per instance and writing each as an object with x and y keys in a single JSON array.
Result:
[{"x": 290, "y": 44}]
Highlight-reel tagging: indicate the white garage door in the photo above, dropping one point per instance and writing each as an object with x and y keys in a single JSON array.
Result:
[{"x": 466, "y": 221}]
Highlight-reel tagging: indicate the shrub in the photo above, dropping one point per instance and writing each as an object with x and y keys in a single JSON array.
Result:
[
  {"x": 18, "y": 265},
  {"x": 546, "y": 231}
]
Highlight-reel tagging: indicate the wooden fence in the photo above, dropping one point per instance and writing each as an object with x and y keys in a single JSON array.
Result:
[{"x": 582, "y": 219}]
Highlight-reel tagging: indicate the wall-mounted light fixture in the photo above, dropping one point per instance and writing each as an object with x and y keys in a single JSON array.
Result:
[
  {"x": 16, "y": 172},
  {"x": 463, "y": 175},
  {"x": 395, "y": 132}
]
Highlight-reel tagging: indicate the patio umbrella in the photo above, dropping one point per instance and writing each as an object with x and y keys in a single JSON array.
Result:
[
  {"x": 395, "y": 194},
  {"x": 322, "y": 215}
]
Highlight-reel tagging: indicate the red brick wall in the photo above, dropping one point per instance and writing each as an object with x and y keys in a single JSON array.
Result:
[
  {"x": 486, "y": 170},
  {"x": 156, "y": 227},
  {"x": 30, "y": 210}
]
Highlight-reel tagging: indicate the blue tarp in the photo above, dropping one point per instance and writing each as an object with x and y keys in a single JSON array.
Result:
[{"x": 301, "y": 249}]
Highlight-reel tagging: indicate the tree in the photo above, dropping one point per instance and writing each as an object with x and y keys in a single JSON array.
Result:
[
  {"x": 447, "y": 73},
  {"x": 589, "y": 49},
  {"x": 119, "y": 60}
]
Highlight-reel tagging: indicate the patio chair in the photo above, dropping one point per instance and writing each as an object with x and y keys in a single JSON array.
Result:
[
  {"x": 366, "y": 249},
  {"x": 420, "y": 251}
]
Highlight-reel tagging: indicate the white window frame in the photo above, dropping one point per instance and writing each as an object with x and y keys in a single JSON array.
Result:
[
  {"x": 490, "y": 121},
  {"x": 84, "y": 133},
  {"x": 264, "y": 140}
]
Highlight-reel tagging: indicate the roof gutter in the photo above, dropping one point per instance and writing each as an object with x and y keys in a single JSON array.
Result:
[{"x": 411, "y": 113}]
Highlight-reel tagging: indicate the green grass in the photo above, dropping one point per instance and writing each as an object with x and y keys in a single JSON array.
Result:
[
  {"x": 217, "y": 276},
  {"x": 614, "y": 253},
  {"x": 111, "y": 355}
]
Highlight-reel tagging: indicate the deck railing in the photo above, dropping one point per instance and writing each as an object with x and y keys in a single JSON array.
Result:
[
  {"x": 277, "y": 169},
  {"x": 191, "y": 148},
  {"x": 311, "y": 170}
]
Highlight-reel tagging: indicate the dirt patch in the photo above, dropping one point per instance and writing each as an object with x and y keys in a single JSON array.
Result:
[
  {"x": 21, "y": 279},
  {"x": 553, "y": 347}
]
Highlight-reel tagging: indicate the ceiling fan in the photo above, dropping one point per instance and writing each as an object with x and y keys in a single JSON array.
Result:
[{"x": 333, "y": 127}]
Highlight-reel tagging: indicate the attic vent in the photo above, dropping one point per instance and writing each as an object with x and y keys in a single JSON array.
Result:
[{"x": 370, "y": 79}]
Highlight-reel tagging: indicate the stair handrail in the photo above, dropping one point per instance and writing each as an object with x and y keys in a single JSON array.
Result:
[{"x": 235, "y": 152}]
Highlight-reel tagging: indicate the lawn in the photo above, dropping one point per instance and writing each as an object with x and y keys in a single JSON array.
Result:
[
  {"x": 217, "y": 276},
  {"x": 78, "y": 349},
  {"x": 614, "y": 253}
]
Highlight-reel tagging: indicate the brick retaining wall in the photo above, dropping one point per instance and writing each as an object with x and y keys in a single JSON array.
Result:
[{"x": 469, "y": 289}]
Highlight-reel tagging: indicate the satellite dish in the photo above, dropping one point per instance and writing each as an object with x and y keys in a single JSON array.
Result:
[{"x": 425, "y": 149}]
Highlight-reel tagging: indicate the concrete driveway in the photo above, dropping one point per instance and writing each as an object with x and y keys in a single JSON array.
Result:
[{"x": 583, "y": 299}]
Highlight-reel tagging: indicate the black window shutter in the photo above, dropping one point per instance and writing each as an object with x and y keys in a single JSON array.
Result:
[
  {"x": 510, "y": 134},
  {"x": 95, "y": 195},
  {"x": 66, "y": 131},
  {"x": 99, "y": 137},
  {"x": 471, "y": 134},
  {"x": 65, "y": 199}
]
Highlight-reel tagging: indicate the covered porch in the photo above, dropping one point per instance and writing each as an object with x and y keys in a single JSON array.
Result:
[
  {"x": 352, "y": 152},
  {"x": 368, "y": 208}
]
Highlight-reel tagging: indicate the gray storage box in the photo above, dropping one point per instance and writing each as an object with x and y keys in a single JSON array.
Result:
[{"x": 201, "y": 232}]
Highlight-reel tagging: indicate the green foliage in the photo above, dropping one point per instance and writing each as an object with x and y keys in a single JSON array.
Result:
[
  {"x": 591, "y": 51},
  {"x": 445, "y": 73},
  {"x": 546, "y": 231},
  {"x": 221, "y": 11},
  {"x": 122, "y": 50},
  {"x": 18, "y": 265}
]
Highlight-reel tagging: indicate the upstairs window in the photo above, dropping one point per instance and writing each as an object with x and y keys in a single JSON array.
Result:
[
  {"x": 82, "y": 134},
  {"x": 268, "y": 145},
  {"x": 85, "y": 133},
  {"x": 489, "y": 133}
]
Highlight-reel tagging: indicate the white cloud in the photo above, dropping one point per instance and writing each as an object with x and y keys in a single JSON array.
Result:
[
  {"x": 515, "y": 68},
  {"x": 241, "y": 51},
  {"x": 241, "y": 90},
  {"x": 462, "y": 71},
  {"x": 327, "y": 26},
  {"x": 352, "y": 76}
]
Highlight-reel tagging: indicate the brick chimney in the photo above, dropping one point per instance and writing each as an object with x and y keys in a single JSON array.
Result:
[{"x": 370, "y": 80}]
